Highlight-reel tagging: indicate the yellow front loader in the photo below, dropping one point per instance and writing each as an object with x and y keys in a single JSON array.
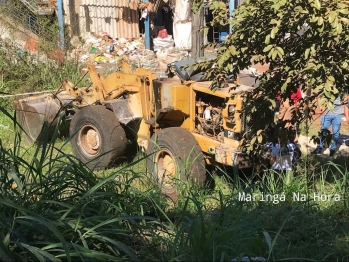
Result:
[{"x": 181, "y": 124}]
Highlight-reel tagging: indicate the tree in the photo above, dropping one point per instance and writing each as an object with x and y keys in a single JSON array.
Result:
[
  {"x": 197, "y": 23},
  {"x": 305, "y": 43}
]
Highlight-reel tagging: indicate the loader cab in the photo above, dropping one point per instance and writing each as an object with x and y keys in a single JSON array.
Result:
[{"x": 187, "y": 70}]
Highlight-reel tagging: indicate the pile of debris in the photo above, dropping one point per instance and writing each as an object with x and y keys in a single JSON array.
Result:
[{"x": 103, "y": 50}]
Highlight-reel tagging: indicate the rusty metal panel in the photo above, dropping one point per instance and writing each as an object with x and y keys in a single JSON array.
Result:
[
  {"x": 119, "y": 18},
  {"x": 175, "y": 96}
]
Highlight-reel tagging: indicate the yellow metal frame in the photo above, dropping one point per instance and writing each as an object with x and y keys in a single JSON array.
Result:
[{"x": 174, "y": 94}]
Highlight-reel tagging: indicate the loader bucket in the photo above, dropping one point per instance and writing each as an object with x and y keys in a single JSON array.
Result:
[{"x": 32, "y": 112}]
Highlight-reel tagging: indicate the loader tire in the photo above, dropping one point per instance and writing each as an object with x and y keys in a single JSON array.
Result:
[
  {"x": 174, "y": 154},
  {"x": 98, "y": 138}
]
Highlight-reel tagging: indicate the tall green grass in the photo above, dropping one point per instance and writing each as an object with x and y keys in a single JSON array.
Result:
[
  {"x": 22, "y": 71},
  {"x": 53, "y": 208}
]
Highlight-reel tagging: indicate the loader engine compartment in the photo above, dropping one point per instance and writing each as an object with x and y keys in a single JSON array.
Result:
[{"x": 209, "y": 117}]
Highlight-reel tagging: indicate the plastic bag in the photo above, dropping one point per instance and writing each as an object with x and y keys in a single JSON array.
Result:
[
  {"x": 182, "y": 35},
  {"x": 166, "y": 42},
  {"x": 162, "y": 33}
]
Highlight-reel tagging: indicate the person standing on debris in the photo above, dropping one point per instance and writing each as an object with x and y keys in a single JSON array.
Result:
[{"x": 331, "y": 118}]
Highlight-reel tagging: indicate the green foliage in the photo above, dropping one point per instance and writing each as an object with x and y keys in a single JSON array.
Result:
[
  {"x": 270, "y": 32},
  {"x": 22, "y": 72}
]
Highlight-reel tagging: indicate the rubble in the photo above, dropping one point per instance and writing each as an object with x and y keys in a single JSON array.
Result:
[
  {"x": 169, "y": 55},
  {"x": 251, "y": 71},
  {"x": 103, "y": 50}
]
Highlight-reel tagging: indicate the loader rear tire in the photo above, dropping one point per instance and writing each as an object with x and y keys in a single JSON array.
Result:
[
  {"x": 98, "y": 138},
  {"x": 174, "y": 154}
]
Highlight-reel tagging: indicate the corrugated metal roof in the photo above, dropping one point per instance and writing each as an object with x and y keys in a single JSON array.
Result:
[{"x": 119, "y": 18}]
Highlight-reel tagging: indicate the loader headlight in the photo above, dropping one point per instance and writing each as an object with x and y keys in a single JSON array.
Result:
[
  {"x": 231, "y": 109},
  {"x": 231, "y": 112}
]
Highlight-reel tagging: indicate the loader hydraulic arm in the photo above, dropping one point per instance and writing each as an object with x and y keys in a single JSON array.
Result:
[{"x": 104, "y": 89}]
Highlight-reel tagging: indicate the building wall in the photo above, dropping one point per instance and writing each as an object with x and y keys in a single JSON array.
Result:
[
  {"x": 21, "y": 36},
  {"x": 24, "y": 39},
  {"x": 119, "y": 18},
  {"x": 71, "y": 15}
]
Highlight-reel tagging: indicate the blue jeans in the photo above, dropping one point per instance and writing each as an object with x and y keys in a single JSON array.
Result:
[{"x": 334, "y": 121}]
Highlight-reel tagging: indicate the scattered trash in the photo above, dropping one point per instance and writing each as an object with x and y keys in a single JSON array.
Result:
[
  {"x": 144, "y": 14},
  {"x": 149, "y": 6},
  {"x": 102, "y": 49},
  {"x": 93, "y": 50},
  {"x": 123, "y": 41},
  {"x": 164, "y": 42},
  {"x": 251, "y": 71},
  {"x": 84, "y": 57}
]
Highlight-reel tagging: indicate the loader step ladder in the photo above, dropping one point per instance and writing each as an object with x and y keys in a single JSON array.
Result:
[{"x": 160, "y": 115}]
